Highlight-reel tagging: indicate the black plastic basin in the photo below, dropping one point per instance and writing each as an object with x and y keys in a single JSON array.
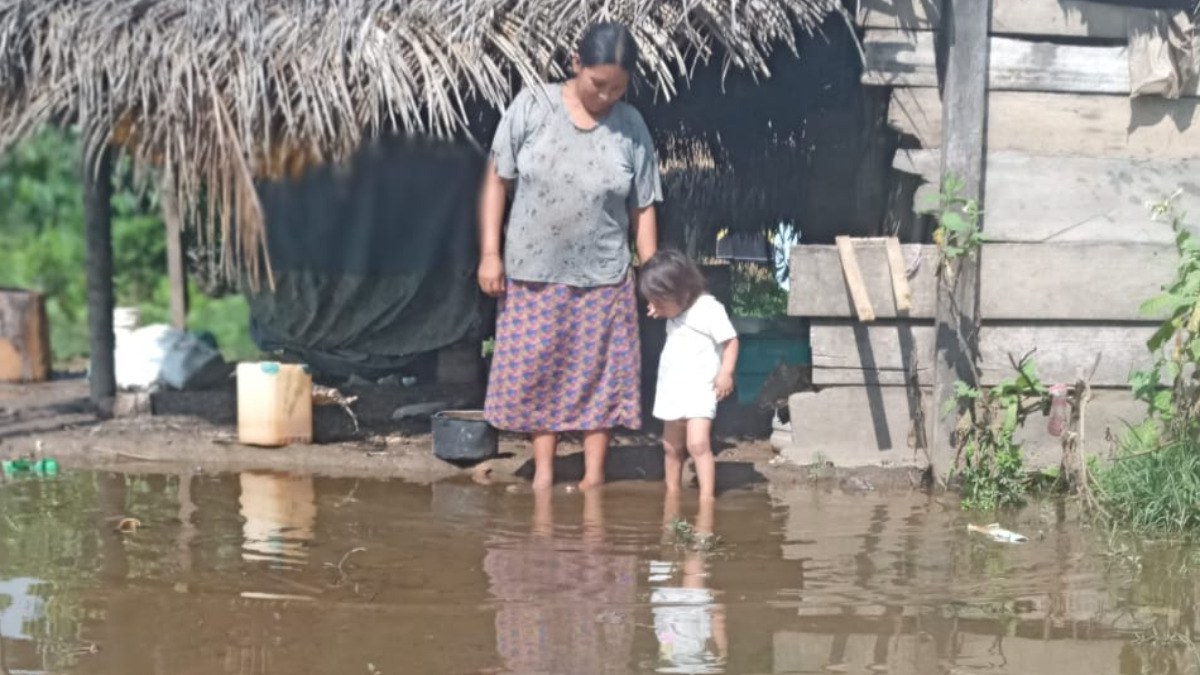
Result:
[{"x": 463, "y": 436}]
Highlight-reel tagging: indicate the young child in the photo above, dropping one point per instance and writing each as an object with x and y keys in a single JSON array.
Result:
[{"x": 696, "y": 369}]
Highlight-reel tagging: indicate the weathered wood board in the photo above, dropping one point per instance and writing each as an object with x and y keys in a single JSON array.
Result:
[
  {"x": 1069, "y": 199},
  {"x": 857, "y": 426},
  {"x": 24, "y": 336},
  {"x": 1147, "y": 127},
  {"x": 872, "y": 426},
  {"x": 1072, "y": 281},
  {"x": 818, "y": 287},
  {"x": 1065, "y": 18},
  {"x": 908, "y": 59},
  {"x": 849, "y": 353}
]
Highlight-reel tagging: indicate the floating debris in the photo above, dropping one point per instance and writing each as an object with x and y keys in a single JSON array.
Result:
[
  {"x": 322, "y": 396},
  {"x": 686, "y": 537},
  {"x": 997, "y": 533},
  {"x": 129, "y": 525}
]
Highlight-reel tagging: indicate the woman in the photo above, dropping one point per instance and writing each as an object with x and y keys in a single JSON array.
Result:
[{"x": 585, "y": 176}]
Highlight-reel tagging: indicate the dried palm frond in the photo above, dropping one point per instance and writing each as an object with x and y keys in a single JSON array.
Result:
[{"x": 218, "y": 93}]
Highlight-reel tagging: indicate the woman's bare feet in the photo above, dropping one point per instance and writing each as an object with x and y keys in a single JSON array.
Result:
[
  {"x": 595, "y": 450},
  {"x": 545, "y": 445}
]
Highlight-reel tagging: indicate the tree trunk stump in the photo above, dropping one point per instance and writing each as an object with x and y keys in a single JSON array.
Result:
[{"x": 24, "y": 336}]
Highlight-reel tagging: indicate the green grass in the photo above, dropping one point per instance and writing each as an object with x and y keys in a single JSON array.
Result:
[{"x": 1153, "y": 490}]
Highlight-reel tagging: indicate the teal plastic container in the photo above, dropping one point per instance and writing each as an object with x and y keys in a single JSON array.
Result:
[{"x": 764, "y": 343}]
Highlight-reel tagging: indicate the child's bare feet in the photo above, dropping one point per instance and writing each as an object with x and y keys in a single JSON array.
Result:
[{"x": 590, "y": 482}]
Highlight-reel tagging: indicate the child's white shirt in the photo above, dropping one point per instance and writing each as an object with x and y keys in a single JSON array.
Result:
[{"x": 691, "y": 360}]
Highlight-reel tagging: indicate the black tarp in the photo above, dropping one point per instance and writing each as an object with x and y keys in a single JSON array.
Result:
[{"x": 374, "y": 262}]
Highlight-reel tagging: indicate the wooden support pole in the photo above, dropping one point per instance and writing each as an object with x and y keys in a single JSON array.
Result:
[
  {"x": 176, "y": 268},
  {"x": 964, "y": 124},
  {"x": 98, "y": 190}
]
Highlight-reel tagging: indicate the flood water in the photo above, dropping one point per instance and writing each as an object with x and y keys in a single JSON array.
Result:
[{"x": 258, "y": 574}]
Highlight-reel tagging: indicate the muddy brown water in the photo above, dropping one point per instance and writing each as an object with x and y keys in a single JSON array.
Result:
[{"x": 264, "y": 573}]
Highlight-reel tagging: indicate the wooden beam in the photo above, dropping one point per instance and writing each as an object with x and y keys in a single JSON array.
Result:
[
  {"x": 98, "y": 190},
  {"x": 818, "y": 288},
  {"x": 1085, "y": 125},
  {"x": 875, "y": 425},
  {"x": 1072, "y": 282},
  {"x": 906, "y": 59},
  {"x": 176, "y": 265},
  {"x": 1071, "y": 199},
  {"x": 1050, "y": 18},
  {"x": 884, "y": 354},
  {"x": 965, "y": 26},
  {"x": 854, "y": 279}
]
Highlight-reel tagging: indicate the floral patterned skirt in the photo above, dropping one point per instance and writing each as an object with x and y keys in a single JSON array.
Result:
[{"x": 566, "y": 359}]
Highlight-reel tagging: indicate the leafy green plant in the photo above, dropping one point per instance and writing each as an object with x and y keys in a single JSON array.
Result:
[
  {"x": 1153, "y": 484},
  {"x": 957, "y": 235},
  {"x": 1176, "y": 343},
  {"x": 756, "y": 292},
  {"x": 991, "y": 469}
]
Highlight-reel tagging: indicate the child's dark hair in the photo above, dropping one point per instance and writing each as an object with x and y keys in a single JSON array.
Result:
[
  {"x": 608, "y": 44},
  {"x": 671, "y": 275}
]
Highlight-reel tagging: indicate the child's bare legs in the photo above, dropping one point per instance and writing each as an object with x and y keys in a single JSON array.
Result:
[
  {"x": 545, "y": 444},
  {"x": 699, "y": 446},
  {"x": 670, "y": 510},
  {"x": 595, "y": 449},
  {"x": 674, "y": 452}
]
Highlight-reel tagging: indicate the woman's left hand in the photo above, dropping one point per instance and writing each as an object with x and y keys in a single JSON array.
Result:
[{"x": 723, "y": 385}]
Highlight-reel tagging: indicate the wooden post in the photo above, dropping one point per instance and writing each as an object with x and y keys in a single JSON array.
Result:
[
  {"x": 97, "y": 184},
  {"x": 964, "y": 123},
  {"x": 176, "y": 269}
]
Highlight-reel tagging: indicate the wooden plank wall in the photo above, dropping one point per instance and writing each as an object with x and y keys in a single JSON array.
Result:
[{"x": 1073, "y": 164}]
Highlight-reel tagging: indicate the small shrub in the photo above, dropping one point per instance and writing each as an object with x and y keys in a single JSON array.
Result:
[{"x": 991, "y": 472}]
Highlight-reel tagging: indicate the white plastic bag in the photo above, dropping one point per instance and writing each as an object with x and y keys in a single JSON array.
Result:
[{"x": 161, "y": 355}]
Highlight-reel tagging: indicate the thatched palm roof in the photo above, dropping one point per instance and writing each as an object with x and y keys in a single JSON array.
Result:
[{"x": 218, "y": 93}]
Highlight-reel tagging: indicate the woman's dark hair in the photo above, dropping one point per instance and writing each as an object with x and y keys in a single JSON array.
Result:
[
  {"x": 671, "y": 275},
  {"x": 608, "y": 44}
]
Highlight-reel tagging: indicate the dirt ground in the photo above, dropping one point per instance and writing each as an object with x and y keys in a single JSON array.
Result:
[{"x": 197, "y": 432}]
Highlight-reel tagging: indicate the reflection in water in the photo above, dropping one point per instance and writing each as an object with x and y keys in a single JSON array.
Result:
[
  {"x": 564, "y": 604},
  {"x": 471, "y": 580},
  {"x": 19, "y": 607},
  {"x": 279, "y": 512},
  {"x": 689, "y": 625}
]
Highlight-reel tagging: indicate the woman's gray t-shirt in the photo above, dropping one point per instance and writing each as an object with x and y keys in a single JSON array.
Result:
[{"x": 574, "y": 189}]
